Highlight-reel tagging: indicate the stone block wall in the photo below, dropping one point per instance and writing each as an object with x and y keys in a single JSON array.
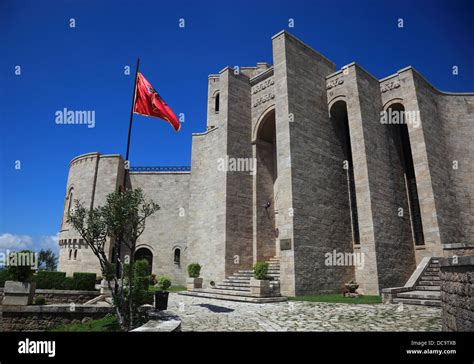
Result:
[
  {"x": 457, "y": 294},
  {"x": 43, "y": 318},
  {"x": 166, "y": 230}
]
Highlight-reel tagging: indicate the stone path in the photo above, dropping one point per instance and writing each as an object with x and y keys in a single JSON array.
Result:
[{"x": 202, "y": 314}]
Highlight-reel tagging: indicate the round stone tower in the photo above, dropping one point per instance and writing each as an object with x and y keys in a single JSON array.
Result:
[{"x": 84, "y": 172}]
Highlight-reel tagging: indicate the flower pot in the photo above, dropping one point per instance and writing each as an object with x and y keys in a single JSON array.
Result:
[
  {"x": 193, "y": 283},
  {"x": 260, "y": 287},
  {"x": 18, "y": 293},
  {"x": 352, "y": 287},
  {"x": 161, "y": 300}
]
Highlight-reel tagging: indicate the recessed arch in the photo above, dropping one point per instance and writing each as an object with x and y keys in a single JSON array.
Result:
[
  {"x": 397, "y": 123},
  {"x": 339, "y": 117},
  {"x": 261, "y": 120},
  {"x": 143, "y": 253}
]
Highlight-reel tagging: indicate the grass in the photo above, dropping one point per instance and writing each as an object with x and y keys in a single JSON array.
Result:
[
  {"x": 338, "y": 298},
  {"x": 106, "y": 324},
  {"x": 177, "y": 288}
]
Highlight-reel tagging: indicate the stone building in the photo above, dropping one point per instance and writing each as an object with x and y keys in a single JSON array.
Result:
[{"x": 301, "y": 162}]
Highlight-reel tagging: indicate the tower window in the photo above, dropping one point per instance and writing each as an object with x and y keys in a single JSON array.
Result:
[
  {"x": 216, "y": 103},
  {"x": 177, "y": 256},
  {"x": 70, "y": 198},
  {"x": 75, "y": 254},
  {"x": 70, "y": 254}
]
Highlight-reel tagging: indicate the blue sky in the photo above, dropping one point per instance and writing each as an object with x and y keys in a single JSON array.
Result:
[{"x": 82, "y": 68}]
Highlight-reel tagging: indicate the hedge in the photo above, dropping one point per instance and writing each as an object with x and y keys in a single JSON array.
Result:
[
  {"x": 49, "y": 280},
  {"x": 84, "y": 281},
  {"x": 3, "y": 277}
]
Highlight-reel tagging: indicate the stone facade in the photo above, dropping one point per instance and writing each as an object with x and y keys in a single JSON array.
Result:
[
  {"x": 298, "y": 163},
  {"x": 457, "y": 277}
]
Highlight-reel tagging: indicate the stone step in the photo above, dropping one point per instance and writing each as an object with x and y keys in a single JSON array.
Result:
[
  {"x": 432, "y": 269},
  {"x": 412, "y": 301},
  {"x": 429, "y": 278},
  {"x": 434, "y": 274},
  {"x": 234, "y": 298},
  {"x": 232, "y": 288},
  {"x": 427, "y": 288},
  {"x": 428, "y": 283},
  {"x": 421, "y": 295},
  {"x": 435, "y": 265},
  {"x": 234, "y": 284}
]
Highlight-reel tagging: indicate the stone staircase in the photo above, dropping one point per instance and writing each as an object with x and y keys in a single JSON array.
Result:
[
  {"x": 237, "y": 286},
  {"x": 426, "y": 291}
]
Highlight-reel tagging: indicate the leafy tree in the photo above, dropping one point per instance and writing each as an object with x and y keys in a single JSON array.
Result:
[
  {"x": 47, "y": 260},
  {"x": 120, "y": 221}
]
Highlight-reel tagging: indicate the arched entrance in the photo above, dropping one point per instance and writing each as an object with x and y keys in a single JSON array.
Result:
[
  {"x": 339, "y": 118},
  {"x": 399, "y": 133},
  {"x": 264, "y": 183},
  {"x": 146, "y": 254}
]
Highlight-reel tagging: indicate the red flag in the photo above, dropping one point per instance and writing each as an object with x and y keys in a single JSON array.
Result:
[{"x": 149, "y": 103}]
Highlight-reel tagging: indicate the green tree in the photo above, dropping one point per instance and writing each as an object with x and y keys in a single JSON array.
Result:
[
  {"x": 47, "y": 260},
  {"x": 121, "y": 220}
]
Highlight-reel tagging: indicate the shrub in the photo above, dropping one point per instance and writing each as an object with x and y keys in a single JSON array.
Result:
[
  {"x": 3, "y": 277},
  {"x": 40, "y": 300},
  {"x": 49, "y": 280},
  {"x": 68, "y": 283},
  {"x": 84, "y": 281},
  {"x": 194, "y": 269},
  {"x": 141, "y": 284},
  {"x": 164, "y": 283},
  {"x": 20, "y": 271},
  {"x": 260, "y": 270}
]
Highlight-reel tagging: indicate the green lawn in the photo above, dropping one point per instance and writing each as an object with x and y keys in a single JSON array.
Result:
[
  {"x": 338, "y": 298},
  {"x": 108, "y": 323}
]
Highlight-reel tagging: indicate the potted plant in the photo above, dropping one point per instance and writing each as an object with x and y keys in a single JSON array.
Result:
[
  {"x": 352, "y": 286},
  {"x": 161, "y": 296},
  {"x": 193, "y": 282},
  {"x": 20, "y": 289},
  {"x": 259, "y": 284}
]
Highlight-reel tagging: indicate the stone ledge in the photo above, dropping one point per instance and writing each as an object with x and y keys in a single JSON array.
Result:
[
  {"x": 467, "y": 260},
  {"x": 66, "y": 292},
  {"x": 458, "y": 246},
  {"x": 52, "y": 309}
]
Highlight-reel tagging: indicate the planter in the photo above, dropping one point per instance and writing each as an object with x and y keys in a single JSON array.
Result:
[
  {"x": 18, "y": 293},
  {"x": 193, "y": 283},
  {"x": 260, "y": 287},
  {"x": 104, "y": 288},
  {"x": 161, "y": 300},
  {"x": 352, "y": 287}
]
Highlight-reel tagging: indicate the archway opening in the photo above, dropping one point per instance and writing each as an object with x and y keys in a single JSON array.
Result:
[
  {"x": 400, "y": 136},
  {"x": 145, "y": 254},
  {"x": 265, "y": 178},
  {"x": 340, "y": 121}
]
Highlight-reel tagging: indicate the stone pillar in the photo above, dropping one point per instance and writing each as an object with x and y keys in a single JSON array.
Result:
[{"x": 385, "y": 236}]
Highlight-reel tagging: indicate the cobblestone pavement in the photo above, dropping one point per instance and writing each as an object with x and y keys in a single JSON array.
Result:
[{"x": 203, "y": 314}]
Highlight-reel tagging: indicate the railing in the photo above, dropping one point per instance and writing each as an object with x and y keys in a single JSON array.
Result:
[{"x": 161, "y": 169}]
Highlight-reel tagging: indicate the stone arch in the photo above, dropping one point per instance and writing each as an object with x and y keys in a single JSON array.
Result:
[
  {"x": 265, "y": 177},
  {"x": 334, "y": 100},
  {"x": 394, "y": 111},
  {"x": 143, "y": 252},
  {"x": 260, "y": 121},
  {"x": 340, "y": 122}
]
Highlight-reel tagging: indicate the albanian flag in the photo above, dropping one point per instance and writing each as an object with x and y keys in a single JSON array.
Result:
[{"x": 149, "y": 103}]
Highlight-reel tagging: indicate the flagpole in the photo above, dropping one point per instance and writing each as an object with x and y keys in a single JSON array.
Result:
[{"x": 130, "y": 124}]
